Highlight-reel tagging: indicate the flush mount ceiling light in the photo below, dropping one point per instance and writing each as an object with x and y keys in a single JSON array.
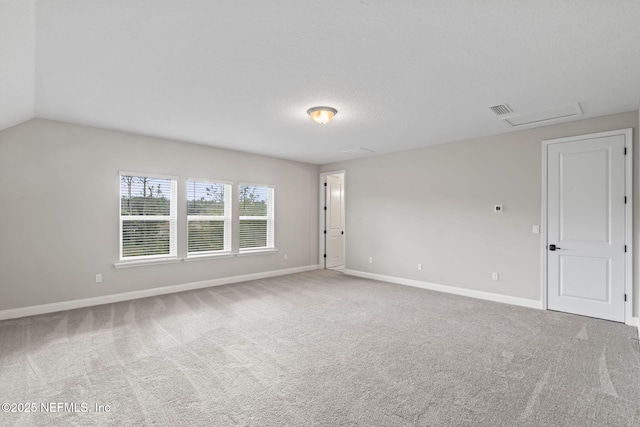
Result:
[{"x": 322, "y": 115}]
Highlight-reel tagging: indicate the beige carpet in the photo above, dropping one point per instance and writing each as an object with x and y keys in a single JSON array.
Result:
[{"x": 318, "y": 349}]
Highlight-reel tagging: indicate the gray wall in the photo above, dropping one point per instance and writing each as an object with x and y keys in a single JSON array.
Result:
[
  {"x": 59, "y": 187},
  {"x": 435, "y": 206}
]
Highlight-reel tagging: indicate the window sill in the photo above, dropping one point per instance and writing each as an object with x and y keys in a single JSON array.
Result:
[
  {"x": 142, "y": 263},
  {"x": 209, "y": 257},
  {"x": 159, "y": 261},
  {"x": 258, "y": 252}
]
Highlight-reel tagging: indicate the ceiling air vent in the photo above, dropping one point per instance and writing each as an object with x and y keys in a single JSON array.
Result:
[
  {"x": 358, "y": 151},
  {"x": 541, "y": 118},
  {"x": 501, "y": 110}
]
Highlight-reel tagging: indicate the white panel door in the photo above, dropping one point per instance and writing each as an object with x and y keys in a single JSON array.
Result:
[
  {"x": 586, "y": 226},
  {"x": 334, "y": 242}
]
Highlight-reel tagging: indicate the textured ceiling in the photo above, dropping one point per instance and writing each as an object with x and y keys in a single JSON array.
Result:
[
  {"x": 17, "y": 61},
  {"x": 241, "y": 74}
]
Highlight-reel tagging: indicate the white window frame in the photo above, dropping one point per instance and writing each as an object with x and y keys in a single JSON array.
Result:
[
  {"x": 226, "y": 218},
  {"x": 172, "y": 218},
  {"x": 270, "y": 218}
]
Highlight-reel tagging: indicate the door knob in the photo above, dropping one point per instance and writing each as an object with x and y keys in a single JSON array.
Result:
[{"x": 553, "y": 247}]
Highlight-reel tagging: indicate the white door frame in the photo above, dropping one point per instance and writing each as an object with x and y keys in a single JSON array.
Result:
[
  {"x": 628, "y": 143},
  {"x": 321, "y": 214}
]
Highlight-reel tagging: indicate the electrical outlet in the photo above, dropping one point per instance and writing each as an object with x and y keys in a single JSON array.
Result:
[
  {"x": 286, "y": 257},
  {"x": 495, "y": 276},
  {"x": 420, "y": 267},
  {"x": 98, "y": 278},
  {"x": 370, "y": 260},
  {"x": 536, "y": 229}
]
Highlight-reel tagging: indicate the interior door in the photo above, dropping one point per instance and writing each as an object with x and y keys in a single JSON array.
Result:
[
  {"x": 586, "y": 226},
  {"x": 334, "y": 227}
]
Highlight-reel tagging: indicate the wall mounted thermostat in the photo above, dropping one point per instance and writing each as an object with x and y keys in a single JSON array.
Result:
[{"x": 497, "y": 208}]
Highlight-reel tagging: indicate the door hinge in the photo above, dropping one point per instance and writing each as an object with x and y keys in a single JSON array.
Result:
[
  {"x": 325, "y": 231},
  {"x": 325, "y": 255},
  {"x": 325, "y": 184},
  {"x": 625, "y": 297},
  {"x": 625, "y": 248},
  {"x": 625, "y": 151},
  {"x": 625, "y": 200},
  {"x": 325, "y": 208}
]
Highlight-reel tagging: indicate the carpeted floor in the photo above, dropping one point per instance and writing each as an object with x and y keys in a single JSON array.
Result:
[{"x": 318, "y": 349}]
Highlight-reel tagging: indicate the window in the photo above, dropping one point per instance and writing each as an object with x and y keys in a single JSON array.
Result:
[
  {"x": 256, "y": 217},
  {"x": 147, "y": 217},
  {"x": 208, "y": 217}
]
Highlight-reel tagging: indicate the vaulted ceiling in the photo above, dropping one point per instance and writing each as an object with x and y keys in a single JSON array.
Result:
[{"x": 241, "y": 74}]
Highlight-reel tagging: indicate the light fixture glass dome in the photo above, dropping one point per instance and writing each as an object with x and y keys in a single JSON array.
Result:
[{"x": 322, "y": 115}]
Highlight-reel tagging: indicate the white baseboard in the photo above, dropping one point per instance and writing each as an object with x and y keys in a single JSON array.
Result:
[
  {"x": 145, "y": 293},
  {"x": 635, "y": 321},
  {"x": 524, "y": 302}
]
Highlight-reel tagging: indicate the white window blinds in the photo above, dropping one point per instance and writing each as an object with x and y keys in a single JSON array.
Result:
[
  {"x": 147, "y": 217},
  {"x": 208, "y": 217},
  {"x": 256, "y": 217}
]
